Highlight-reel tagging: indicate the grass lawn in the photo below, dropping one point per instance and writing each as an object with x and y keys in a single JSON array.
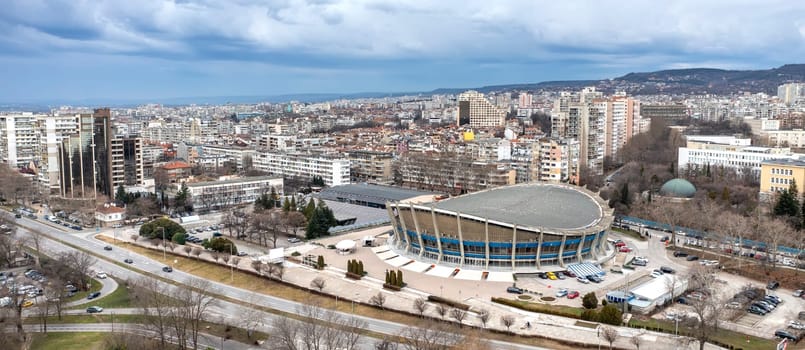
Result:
[
  {"x": 94, "y": 287},
  {"x": 68, "y": 340},
  {"x": 737, "y": 340},
  {"x": 117, "y": 299}
]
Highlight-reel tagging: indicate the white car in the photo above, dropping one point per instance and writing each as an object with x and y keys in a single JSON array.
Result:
[
  {"x": 796, "y": 325},
  {"x": 101, "y": 275},
  {"x": 294, "y": 240},
  {"x": 582, "y": 280},
  {"x": 655, "y": 274}
]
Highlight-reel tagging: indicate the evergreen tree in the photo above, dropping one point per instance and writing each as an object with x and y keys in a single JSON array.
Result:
[
  {"x": 121, "y": 196},
  {"x": 320, "y": 263},
  {"x": 309, "y": 210},
  {"x": 293, "y": 203},
  {"x": 272, "y": 198},
  {"x": 625, "y": 199},
  {"x": 388, "y": 277},
  {"x": 725, "y": 194},
  {"x": 360, "y": 267},
  {"x": 787, "y": 204},
  {"x": 399, "y": 279},
  {"x": 392, "y": 278},
  {"x": 610, "y": 315},
  {"x": 286, "y": 205}
]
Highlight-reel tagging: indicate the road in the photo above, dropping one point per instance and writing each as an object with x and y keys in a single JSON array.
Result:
[{"x": 230, "y": 310}]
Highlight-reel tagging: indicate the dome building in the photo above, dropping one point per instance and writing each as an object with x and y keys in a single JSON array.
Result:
[
  {"x": 523, "y": 227},
  {"x": 678, "y": 188}
]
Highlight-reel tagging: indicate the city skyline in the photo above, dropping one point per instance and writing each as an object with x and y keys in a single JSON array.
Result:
[{"x": 160, "y": 50}]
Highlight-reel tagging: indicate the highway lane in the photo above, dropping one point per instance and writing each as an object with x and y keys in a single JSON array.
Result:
[{"x": 144, "y": 263}]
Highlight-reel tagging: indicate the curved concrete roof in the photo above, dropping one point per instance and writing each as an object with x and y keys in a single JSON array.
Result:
[
  {"x": 533, "y": 205},
  {"x": 679, "y": 188}
]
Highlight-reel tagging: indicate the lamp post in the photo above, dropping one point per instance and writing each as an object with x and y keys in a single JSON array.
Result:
[{"x": 231, "y": 266}]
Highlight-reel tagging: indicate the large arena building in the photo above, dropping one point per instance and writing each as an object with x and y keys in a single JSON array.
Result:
[{"x": 522, "y": 227}]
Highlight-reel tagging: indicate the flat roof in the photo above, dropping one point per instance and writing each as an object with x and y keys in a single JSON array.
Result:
[
  {"x": 785, "y": 161},
  {"x": 534, "y": 205},
  {"x": 370, "y": 193},
  {"x": 233, "y": 181}
]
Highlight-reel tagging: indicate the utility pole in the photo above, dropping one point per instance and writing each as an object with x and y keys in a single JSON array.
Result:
[{"x": 164, "y": 244}]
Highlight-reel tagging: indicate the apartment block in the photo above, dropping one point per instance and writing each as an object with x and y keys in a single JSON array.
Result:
[
  {"x": 238, "y": 155},
  {"x": 778, "y": 174},
  {"x": 474, "y": 109},
  {"x": 370, "y": 166},
  {"x": 127, "y": 162},
  {"x": 84, "y": 160},
  {"x": 19, "y": 140},
  {"x": 332, "y": 168},
  {"x": 555, "y": 160},
  {"x": 453, "y": 175},
  {"x": 582, "y": 116},
  {"x": 791, "y": 93},
  {"x": 214, "y": 195}
]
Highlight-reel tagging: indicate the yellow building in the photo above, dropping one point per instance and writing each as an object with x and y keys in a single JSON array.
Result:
[{"x": 778, "y": 175}]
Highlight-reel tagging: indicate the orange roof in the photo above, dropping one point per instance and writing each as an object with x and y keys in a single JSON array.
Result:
[{"x": 176, "y": 165}]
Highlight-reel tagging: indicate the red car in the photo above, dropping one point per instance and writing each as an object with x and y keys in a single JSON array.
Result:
[
  {"x": 620, "y": 244},
  {"x": 625, "y": 250},
  {"x": 573, "y": 295}
]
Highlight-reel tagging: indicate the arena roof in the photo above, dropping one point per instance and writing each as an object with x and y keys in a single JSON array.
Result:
[{"x": 533, "y": 205}]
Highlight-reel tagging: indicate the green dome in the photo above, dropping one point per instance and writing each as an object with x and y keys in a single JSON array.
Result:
[{"x": 679, "y": 188}]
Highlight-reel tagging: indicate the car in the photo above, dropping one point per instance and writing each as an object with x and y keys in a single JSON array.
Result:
[
  {"x": 101, "y": 275},
  {"x": 551, "y": 276},
  {"x": 666, "y": 269},
  {"x": 570, "y": 274},
  {"x": 217, "y": 234},
  {"x": 796, "y": 325},
  {"x": 594, "y": 278},
  {"x": 680, "y": 254},
  {"x": 18, "y": 216},
  {"x": 773, "y": 298},
  {"x": 692, "y": 258},
  {"x": 514, "y": 290},
  {"x": 128, "y": 261},
  {"x": 117, "y": 226},
  {"x": 798, "y": 293},
  {"x": 756, "y": 311},
  {"x": 625, "y": 250},
  {"x": 107, "y": 248},
  {"x": 582, "y": 280},
  {"x": 27, "y": 303},
  {"x": 665, "y": 239},
  {"x": 654, "y": 274},
  {"x": 573, "y": 295},
  {"x": 242, "y": 253},
  {"x": 620, "y": 244},
  {"x": 733, "y": 305},
  {"x": 94, "y": 309},
  {"x": 637, "y": 262},
  {"x": 167, "y": 269},
  {"x": 785, "y": 335},
  {"x": 762, "y": 306},
  {"x": 773, "y": 285},
  {"x": 560, "y": 275},
  {"x": 542, "y": 275},
  {"x": 561, "y": 293},
  {"x": 682, "y": 300},
  {"x": 294, "y": 240},
  {"x": 93, "y": 295}
]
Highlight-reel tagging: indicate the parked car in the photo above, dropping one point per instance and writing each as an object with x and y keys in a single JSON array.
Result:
[
  {"x": 654, "y": 274},
  {"x": 167, "y": 269},
  {"x": 561, "y": 293},
  {"x": 664, "y": 239},
  {"x": 692, "y": 258},
  {"x": 551, "y": 276},
  {"x": 93, "y": 295},
  {"x": 582, "y": 280},
  {"x": 625, "y": 250},
  {"x": 666, "y": 269},
  {"x": 798, "y": 293},
  {"x": 796, "y": 325},
  {"x": 785, "y": 335},
  {"x": 560, "y": 275},
  {"x": 680, "y": 254},
  {"x": 94, "y": 309},
  {"x": 294, "y": 240},
  {"x": 27, "y": 303},
  {"x": 514, "y": 290},
  {"x": 756, "y": 310},
  {"x": 773, "y": 285},
  {"x": 242, "y": 253},
  {"x": 573, "y": 295},
  {"x": 543, "y": 275},
  {"x": 128, "y": 261},
  {"x": 682, "y": 300}
]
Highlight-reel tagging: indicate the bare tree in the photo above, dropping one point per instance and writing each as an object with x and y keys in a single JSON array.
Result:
[
  {"x": 235, "y": 260},
  {"x": 76, "y": 265},
  {"x": 36, "y": 237},
  {"x": 335, "y": 332},
  {"x": 134, "y": 238},
  {"x": 225, "y": 258},
  {"x": 252, "y": 318},
  {"x": 610, "y": 335},
  {"x": 483, "y": 316},
  {"x": 294, "y": 220},
  {"x": 429, "y": 336},
  {"x": 637, "y": 340},
  {"x": 318, "y": 283},
  {"x": 196, "y": 252},
  {"x": 10, "y": 249},
  {"x": 194, "y": 302},
  {"x": 152, "y": 298},
  {"x": 507, "y": 321},
  {"x": 421, "y": 305},
  {"x": 257, "y": 265},
  {"x": 385, "y": 344},
  {"x": 708, "y": 311},
  {"x": 441, "y": 310},
  {"x": 187, "y": 249},
  {"x": 215, "y": 255},
  {"x": 459, "y": 315},
  {"x": 378, "y": 300}
]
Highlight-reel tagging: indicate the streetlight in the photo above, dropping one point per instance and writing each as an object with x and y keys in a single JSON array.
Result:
[
  {"x": 231, "y": 266},
  {"x": 353, "y": 302}
]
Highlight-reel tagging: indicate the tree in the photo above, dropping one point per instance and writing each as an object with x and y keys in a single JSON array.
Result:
[
  {"x": 458, "y": 315},
  {"x": 154, "y": 229},
  {"x": 787, "y": 203},
  {"x": 378, "y": 300},
  {"x": 429, "y": 336},
  {"x": 223, "y": 245},
  {"x": 589, "y": 301},
  {"x": 257, "y": 266},
  {"x": 187, "y": 249},
  {"x": 179, "y": 238},
  {"x": 121, "y": 196},
  {"x": 636, "y": 340},
  {"x": 294, "y": 220},
  {"x": 610, "y": 314},
  {"x": 708, "y": 311},
  {"x": 610, "y": 335},
  {"x": 334, "y": 332},
  {"x": 507, "y": 321},
  {"x": 318, "y": 283},
  {"x": 152, "y": 297},
  {"x": 483, "y": 316},
  {"x": 196, "y": 252},
  {"x": 625, "y": 197},
  {"x": 421, "y": 305},
  {"x": 441, "y": 310},
  {"x": 182, "y": 198},
  {"x": 320, "y": 262},
  {"x": 286, "y": 205}
]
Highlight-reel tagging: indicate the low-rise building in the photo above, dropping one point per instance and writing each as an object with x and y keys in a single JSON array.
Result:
[
  {"x": 214, "y": 195},
  {"x": 778, "y": 174},
  {"x": 108, "y": 215}
]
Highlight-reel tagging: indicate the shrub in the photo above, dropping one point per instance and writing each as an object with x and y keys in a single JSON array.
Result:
[
  {"x": 296, "y": 253},
  {"x": 603, "y": 301},
  {"x": 610, "y": 315},
  {"x": 448, "y": 302},
  {"x": 179, "y": 238},
  {"x": 589, "y": 301},
  {"x": 589, "y": 315}
]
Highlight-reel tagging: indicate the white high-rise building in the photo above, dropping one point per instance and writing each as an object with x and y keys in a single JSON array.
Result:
[
  {"x": 53, "y": 129},
  {"x": 791, "y": 92},
  {"x": 19, "y": 143}
]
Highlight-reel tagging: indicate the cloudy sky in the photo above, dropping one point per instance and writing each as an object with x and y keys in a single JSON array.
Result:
[{"x": 151, "y": 49}]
